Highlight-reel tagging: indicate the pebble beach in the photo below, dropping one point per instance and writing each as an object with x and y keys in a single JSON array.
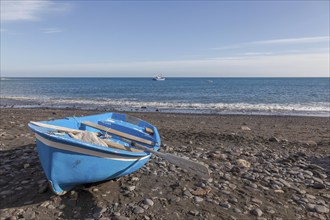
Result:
[{"x": 262, "y": 167}]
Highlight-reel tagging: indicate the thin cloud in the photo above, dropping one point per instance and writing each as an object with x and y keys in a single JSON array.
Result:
[
  {"x": 302, "y": 65},
  {"x": 30, "y": 10},
  {"x": 302, "y": 40},
  {"x": 257, "y": 53},
  {"x": 51, "y": 30},
  {"x": 229, "y": 47}
]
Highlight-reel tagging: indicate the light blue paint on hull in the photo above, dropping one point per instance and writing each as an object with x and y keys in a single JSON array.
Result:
[{"x": 68, "y": 162}]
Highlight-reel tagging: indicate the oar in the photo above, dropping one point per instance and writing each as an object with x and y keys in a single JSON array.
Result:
[{"x": 189, "y": 165}]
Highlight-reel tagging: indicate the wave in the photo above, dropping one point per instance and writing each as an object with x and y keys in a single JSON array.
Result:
[{"x": 315, "y": 108}]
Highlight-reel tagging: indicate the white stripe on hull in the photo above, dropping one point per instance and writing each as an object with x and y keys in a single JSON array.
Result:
[{"x": 86, "y": 151}]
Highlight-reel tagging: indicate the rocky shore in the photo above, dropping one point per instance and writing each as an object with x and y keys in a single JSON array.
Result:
[{"x": 262, "y": 167}]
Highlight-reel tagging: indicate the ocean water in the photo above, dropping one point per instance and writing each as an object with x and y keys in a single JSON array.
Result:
[{"x": 274, "y": 96}]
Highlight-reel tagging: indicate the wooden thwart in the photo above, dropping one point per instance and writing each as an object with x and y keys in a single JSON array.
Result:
[
  {"x": 118, "y": 133},
  {"x": 149, "y": 131}
]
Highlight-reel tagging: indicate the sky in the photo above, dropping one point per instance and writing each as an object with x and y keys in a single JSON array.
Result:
[{"x": 176, "y": 38}]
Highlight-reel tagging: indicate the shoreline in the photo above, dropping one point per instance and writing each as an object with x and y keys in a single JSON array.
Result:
[
  {"x": 142, "y": 110},
  {"x": 286, "y": 174},
  {"x": 32, "y": 103}
]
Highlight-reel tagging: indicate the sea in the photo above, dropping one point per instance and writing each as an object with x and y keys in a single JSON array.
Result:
[{"x": 248, "y": 96}]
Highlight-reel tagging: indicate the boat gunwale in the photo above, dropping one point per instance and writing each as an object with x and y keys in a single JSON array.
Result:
[{"x": 89, "y": 146}]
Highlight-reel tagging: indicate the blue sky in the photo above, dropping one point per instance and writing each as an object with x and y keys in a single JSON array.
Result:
[{"x": 176, "y": 38}]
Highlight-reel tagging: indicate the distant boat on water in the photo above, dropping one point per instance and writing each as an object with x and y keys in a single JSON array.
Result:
[{"x": 159, "y": 77}]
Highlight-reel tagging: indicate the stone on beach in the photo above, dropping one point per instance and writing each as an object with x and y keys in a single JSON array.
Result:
[
  {"x": 243, "y": 163},
  {"x": 256, "y": 212},
  {"x": 321, "y": 209},
  {"x": 201, "y": 192},
  {"x": 138, "y": 210},
  {"x": 148, "y": 202},
  {"x": 245, "y": 128}
]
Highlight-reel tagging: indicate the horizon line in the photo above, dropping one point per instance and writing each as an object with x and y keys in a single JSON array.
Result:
[{"x": 4, "y": 77}]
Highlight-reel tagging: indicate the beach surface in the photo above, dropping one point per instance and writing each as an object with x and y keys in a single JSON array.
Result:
[{"x": 262, "y": 167}]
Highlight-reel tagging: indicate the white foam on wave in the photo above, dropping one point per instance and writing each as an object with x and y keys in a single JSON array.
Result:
[{"x": 126, "y": 103}]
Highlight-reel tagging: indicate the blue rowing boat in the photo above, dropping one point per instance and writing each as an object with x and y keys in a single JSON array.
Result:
[{"x": 68, "y": 161}]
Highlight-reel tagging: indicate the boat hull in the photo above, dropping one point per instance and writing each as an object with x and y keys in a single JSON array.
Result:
[
  {"x": 68, "y": 162},
  {"x": 159, "y": 79},
  {"x": 66, "y": 167}
]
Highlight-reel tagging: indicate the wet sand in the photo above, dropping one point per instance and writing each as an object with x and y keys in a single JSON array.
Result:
[{"x": 266, "y": 167}]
